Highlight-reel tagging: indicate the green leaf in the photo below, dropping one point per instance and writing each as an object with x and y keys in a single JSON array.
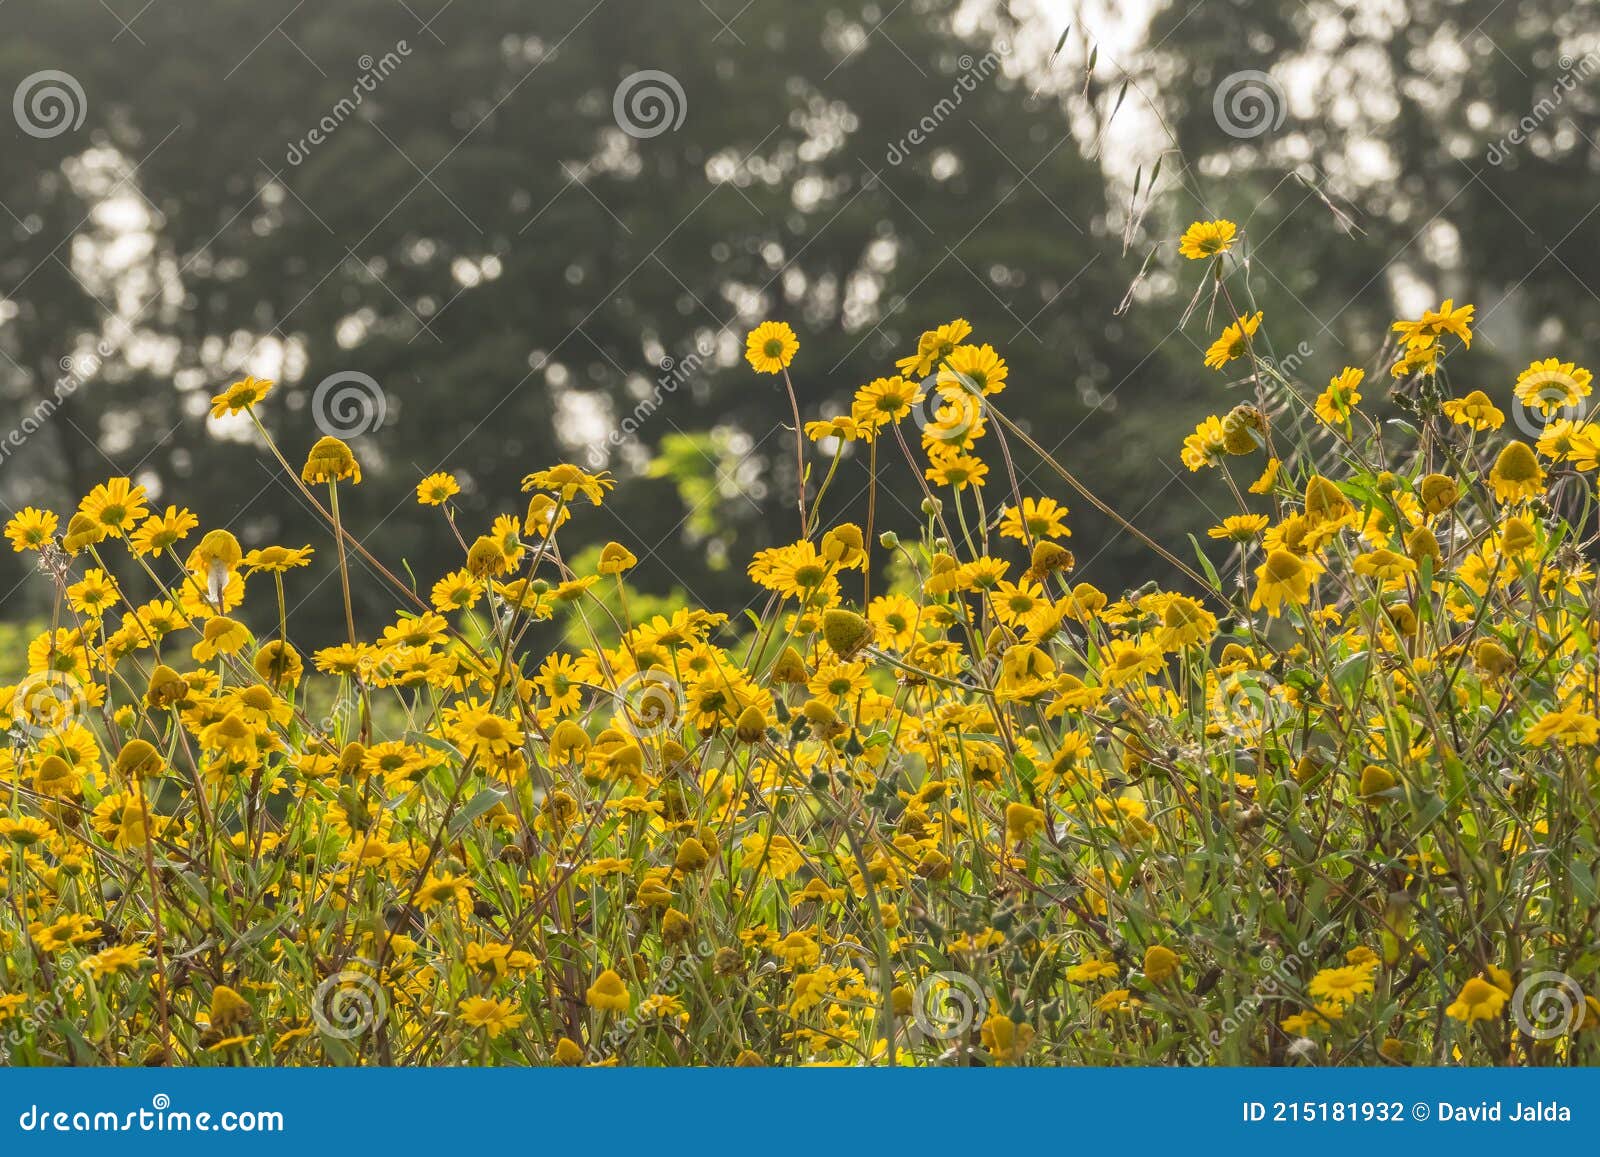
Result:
[
  {"x": 1205, "y": 564},
  {"x": 476, "y": 806},
  {"x": 1349, "y": 675},
  {"x": 1061, "y": 43}
]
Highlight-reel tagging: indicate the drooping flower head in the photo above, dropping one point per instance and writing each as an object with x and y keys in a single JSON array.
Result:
[{"x": 330, "y": 460}]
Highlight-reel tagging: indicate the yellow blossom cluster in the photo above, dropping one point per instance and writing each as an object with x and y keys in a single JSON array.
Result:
[{"x": 1337, "y": 767}]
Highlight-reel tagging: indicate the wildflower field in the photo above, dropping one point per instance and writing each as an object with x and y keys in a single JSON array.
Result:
[{"x": 1324, "y": 793}]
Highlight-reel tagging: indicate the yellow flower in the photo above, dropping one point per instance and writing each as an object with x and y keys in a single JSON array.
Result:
[
  {"x": 481, "y": 732},
  {"x": 1516, "y": 474},
  {"x": 1478, "y": 1000},
  {"x": 1207, "y": 446},
  {"x": 1129, "y": 662},
  {"x": 975, "y": 369},
  {"x": 330, "y": 460},
  {"x": 1304, "y": 1023},
  {"x": 241, "y": 395},
  {"x": 23, "y": 831},
  {"x": 1269, "y": 476},
  {"x": 1567, "y": 727},
  {"x": 840, "y": 426},
  {"x": 1422, "y": 358},
  {"x": 443, "y": 888},
  {"x": 222, "y": 636},
  {"x": 1375, "y": 782},
  {"x": 1185, "y": 623},
  {"x": 608, "y": 993},
  {"x": 94, "y": 595},
  {"x": 616, "y": 559},
  {"x": 770, "y": 347},
  {"x": 277, "y": 559},
  {"x": 228, "y": 1008},
  {"x": 957, "y": 470},
  {"x": 933, "y": 347},
  {"x": 1023, "y": 821},
  {"x": 1240, "y": 527},
  {"x": 114, "y": 506},
  {"x": 1004, "y": 1038},
  {"x": 884, "y": 400},
  {"x": 1384, "y": 564},
  {"x": 495, "y": 1016},
  {"x": 1093, "y": 969},
  {"x": 30, "y": 529},
  {"x": 1476, "y": 411},
  {"x": 1036, "y": 518},
  {"x": 1563, "y": 440},
  {"x": 1342, "y": 985},
  {"x": 437, "y": 489},
  {"x": 1283, "y": 577},
  {"x": 1341, "y": 396},
  {"x": 111, "y": 961},
  {"x": 1118, "y": 1000},
  {"x": 1161, "y": 963},
  {"x": 1551, "y": 385},
  {"x": 1234, "y": 341},
  {"x": 1207, "y": 239},
  {"x": 1434, "y": 324},
  {"x": 567, "y": 482},
  {"x": 160, "y": 532}
]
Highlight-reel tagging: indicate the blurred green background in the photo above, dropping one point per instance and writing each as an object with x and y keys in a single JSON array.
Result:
[{"x": 457, "y": 200}]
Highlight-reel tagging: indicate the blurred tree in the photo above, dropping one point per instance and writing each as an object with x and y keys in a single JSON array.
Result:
[
  {"x": 443, "y": 198},
  {"x": 1459, "y": 134},
  {"x": 470, "y": 227}
]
